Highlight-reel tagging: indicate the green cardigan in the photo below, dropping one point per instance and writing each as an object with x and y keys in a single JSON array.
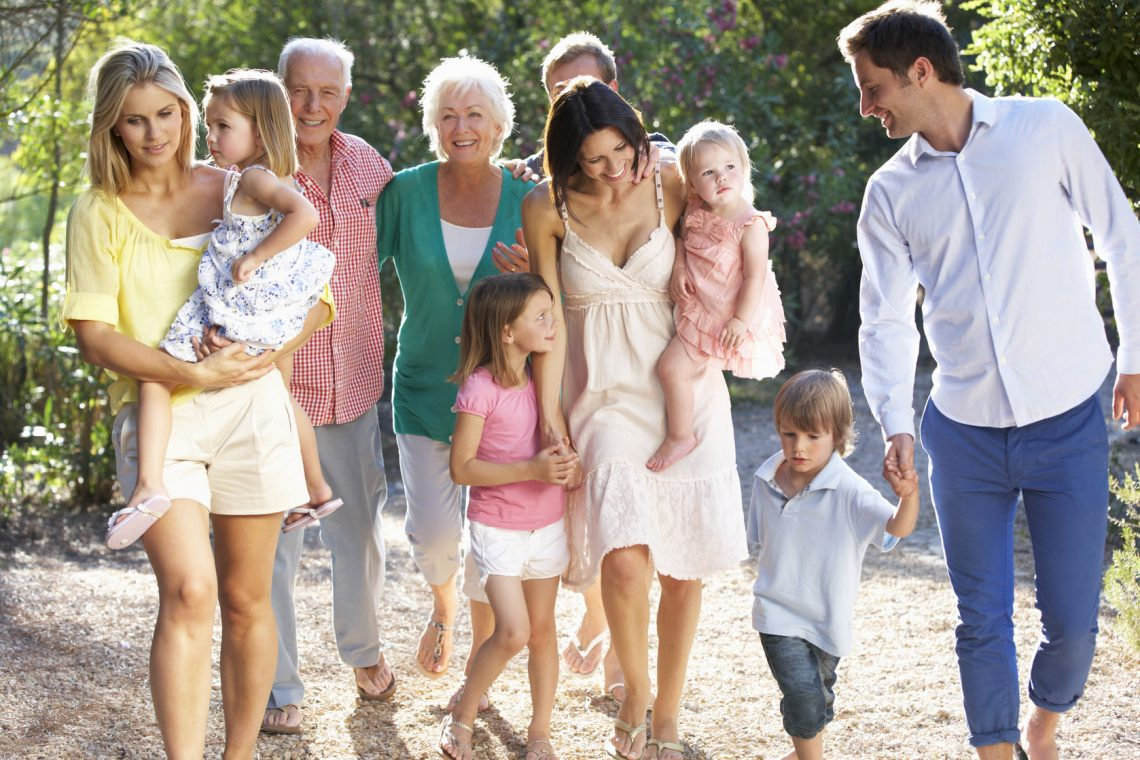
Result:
[{"x": 427, "y": 353}]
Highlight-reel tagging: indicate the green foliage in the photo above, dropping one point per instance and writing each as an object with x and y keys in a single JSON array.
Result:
[
  {"x": 1122, "y": 581},
  {"x": 54, "y": 426},
  {"x": 1083, "y": 52}
]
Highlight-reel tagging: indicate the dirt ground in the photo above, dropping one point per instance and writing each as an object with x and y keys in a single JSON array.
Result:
[{"x": 75, "y": 623}]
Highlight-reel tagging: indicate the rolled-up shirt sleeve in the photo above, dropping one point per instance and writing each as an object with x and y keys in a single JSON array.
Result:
[
  {"x": 888, "y": 336},
  {"x": 92, "y": 263}
]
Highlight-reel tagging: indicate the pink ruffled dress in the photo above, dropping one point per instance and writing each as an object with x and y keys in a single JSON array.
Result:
[{"x": 715, "y": 265}]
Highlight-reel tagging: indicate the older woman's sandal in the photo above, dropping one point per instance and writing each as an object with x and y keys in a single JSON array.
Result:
[{"x": 437, "y": 651}]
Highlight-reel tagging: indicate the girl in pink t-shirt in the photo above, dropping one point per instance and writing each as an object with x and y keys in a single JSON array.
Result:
[{"x": 515, "y": 505}]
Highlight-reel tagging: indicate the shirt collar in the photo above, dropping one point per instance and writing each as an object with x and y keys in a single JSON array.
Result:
[
  {"x": 984, "y": 111},
  {"x": 828, "y": 478}
]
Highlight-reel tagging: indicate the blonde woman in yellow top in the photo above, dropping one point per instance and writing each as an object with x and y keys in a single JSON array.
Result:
[{"x": 233, "y": 462}]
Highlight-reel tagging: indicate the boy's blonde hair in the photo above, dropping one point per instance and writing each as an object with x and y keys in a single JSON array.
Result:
[
  {"x": 818, "y": 400},
  {"x": 260, "y": 96},
  {"x": 714, "y": 133},
  {"x": 124, "y": 66},
  {"x": 494, "y": 303}
]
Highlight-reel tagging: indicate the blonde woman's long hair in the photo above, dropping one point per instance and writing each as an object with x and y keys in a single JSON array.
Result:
[
  {"x": 260, "y": 96},
  {"x": 124, "y": 66},
  {"x": 494, "y": 303}
]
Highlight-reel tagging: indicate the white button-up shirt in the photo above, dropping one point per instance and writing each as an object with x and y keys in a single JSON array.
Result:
[{"x": 995, "y": 236}]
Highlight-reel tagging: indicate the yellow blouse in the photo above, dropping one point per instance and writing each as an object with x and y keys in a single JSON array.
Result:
[{"x": 122, "y": 273}]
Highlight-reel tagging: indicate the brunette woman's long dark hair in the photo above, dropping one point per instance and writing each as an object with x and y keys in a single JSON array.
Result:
[{"x": 584, "y": 107}]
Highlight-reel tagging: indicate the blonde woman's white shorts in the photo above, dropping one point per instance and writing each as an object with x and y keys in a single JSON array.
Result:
[{"x": 234, "y": 450}]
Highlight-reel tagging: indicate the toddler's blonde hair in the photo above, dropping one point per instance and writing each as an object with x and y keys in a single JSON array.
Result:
[
  {"x": 260, "y": 96},
  {"x": 714, "y": 133}
]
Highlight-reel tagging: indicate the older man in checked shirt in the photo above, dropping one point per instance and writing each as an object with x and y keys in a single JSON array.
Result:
[{"x": 338, "y": 377}]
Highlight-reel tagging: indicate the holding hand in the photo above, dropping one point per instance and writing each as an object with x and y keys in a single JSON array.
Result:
[
  {"x": 555, "y": 464},
  {"x": 902, "y": 486},
  {"x": 734, "y": 333},
  {"x": 513, "y": 258}
]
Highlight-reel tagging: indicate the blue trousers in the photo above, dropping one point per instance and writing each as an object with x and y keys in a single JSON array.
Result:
[{"x": 1059, "y": 468}]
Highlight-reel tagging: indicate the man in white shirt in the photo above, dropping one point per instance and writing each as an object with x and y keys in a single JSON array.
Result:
[{"x": 985, "y": 206}]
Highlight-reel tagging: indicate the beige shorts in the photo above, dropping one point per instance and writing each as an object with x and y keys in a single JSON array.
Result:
[
  {"x": 524, "y": 554},
  {"x": 235, "y": 450}
]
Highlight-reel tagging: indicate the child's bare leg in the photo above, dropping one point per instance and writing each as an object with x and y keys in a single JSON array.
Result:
[
  {"x": 542, "y": 665},
  {"x": 806, "y": 749},
  {"x": 153, "y": 437},
  {"x": 512, "y": 632},
  {"x": 676, "y": 370},
  {"x": 319, "y": 490}
]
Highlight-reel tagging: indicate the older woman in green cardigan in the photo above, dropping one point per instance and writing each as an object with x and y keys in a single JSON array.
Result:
[{"x": 440, "y": 222}]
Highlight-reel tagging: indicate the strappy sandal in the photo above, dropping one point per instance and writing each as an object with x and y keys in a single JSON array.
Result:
[
  {"x": 282, "y": 728},
  {"x": 661, "y": 744},
  {"x": 484, "y": 701},
  {"x": 136, "y": 520},
  {"x": 437, "y": 653},
  {"x": 542, "y": 754},
  {"x": 584, "y": 653},
  {"x": 632, "y": 732},
  {"x": 447, "y": 736}
]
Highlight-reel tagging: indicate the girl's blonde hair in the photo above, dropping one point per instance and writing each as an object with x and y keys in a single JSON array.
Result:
[
  {"x": 124, "y": 66},
  {"x": 818, "y": 400},
  {"x": 494, "y": 303},
  {"x": 459, "y": 76},
  {"x": 722, "y": 135},
  {"x": 260, "y": 96}
]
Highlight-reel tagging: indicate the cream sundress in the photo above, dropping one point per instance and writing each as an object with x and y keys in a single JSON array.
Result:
[
  {"x": 714, "y": 263},
  {"x": 269, "y": 308},
  {"x": 618, "y": 321}
]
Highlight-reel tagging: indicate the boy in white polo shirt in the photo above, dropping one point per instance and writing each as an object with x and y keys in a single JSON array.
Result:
[{"x": 814, "y": 517}]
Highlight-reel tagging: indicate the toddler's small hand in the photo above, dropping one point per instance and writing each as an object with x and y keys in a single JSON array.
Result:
[
  {"x": 902, "y": 485},
  {"x": 243, "y": 268},
  {"x": 733, "y": 334}
]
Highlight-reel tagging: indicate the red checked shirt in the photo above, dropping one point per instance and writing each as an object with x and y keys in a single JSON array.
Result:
[{"x": 339, "y": 374}]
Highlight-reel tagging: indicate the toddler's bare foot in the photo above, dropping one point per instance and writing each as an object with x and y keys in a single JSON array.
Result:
[{"x": 670, "y": 450}]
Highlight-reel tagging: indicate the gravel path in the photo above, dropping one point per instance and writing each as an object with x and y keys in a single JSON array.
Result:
[{"x": 75, "y": 622}]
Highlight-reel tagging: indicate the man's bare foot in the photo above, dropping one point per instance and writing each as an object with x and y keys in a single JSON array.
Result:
[
  {"x": 671, "y": 450},
  {"x": 434, "y": 653},
  {"x": 282, "y": 720},
  {"x": 1041, "y": 735},
  {"x": 377, "y": 682}
]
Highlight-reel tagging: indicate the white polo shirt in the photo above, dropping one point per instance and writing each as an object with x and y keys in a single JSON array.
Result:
[{"x": 811, "y": 552}]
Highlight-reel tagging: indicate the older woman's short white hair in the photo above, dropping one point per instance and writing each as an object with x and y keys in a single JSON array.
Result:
[{"x": 461, "y": 75}]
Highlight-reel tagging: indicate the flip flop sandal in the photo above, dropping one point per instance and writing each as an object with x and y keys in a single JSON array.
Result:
[
  {"x": 446, "y": 733},
  {"x": 437, "y": 653},
  {"x": 611, "y": 692},
  {"x": 584, "y": 653},
  {"x": 632, "y": 732},
  {"x": 384, "y": 696},
  {"x": 282, "y": 728},
  {"x": 311, "y": 515},
  {"x": 661, "y": 744},
  {"x": 543, "y": 754},
  {"x": 139, "y": 518}
]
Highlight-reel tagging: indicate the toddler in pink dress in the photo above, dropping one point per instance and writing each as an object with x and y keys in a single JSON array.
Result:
[{"x": 728, "y": 313}]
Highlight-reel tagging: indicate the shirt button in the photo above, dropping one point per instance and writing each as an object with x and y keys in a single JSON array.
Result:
[
  {"x": 987, "y": 278},
  {"x": 457, "y": 340},
  {"x": 459, "y": 302},
  {"x": 981, "y": 236},
  {"x": 973, "y": 196},
  {"x": 995, "y": 320},
  {"x": 1004, "y": 359}
]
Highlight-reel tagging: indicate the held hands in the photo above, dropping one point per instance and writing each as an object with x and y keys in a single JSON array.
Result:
[
  {"x": 898, "y": 465},
  {"x": 512, "y": 258},
  {"x": 734, "y": 333},
  {"x": 902, "y": 486},
  {"x": 555, "y": 464},
  {"x": 1126, "y": 401}
]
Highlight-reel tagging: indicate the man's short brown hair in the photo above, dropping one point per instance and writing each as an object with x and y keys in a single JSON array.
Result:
[{"x": 898, "y": 32}]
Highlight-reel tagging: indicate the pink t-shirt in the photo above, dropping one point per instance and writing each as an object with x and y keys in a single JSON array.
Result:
[{"x": 510, "y": 434}]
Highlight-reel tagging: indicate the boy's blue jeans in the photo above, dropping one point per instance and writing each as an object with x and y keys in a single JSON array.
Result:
[
  {"x": 805, "y": 674},
  {"x": 1059, "y": 467}
]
